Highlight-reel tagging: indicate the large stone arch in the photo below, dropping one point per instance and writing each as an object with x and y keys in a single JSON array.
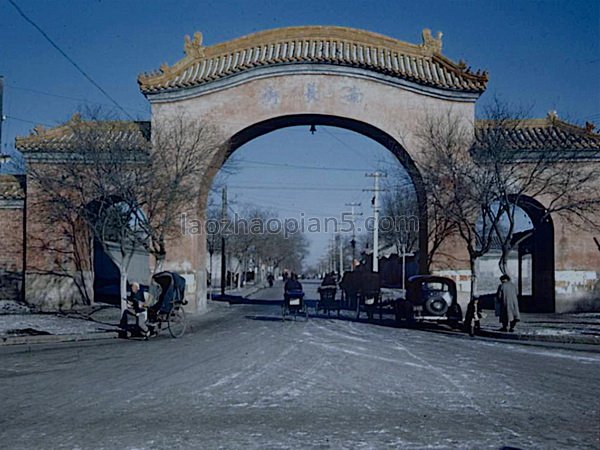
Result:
[{"x": 369, "y": 83}]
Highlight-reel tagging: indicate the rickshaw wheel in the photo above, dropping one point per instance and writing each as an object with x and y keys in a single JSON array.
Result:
[{"x": 177, "y": 322}]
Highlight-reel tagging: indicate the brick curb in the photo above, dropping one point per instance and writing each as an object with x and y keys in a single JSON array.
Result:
[
  {"x": 557, "y": 338},
  {"x": 522, "y": 337},
  {"x": 6, "y": 341}
]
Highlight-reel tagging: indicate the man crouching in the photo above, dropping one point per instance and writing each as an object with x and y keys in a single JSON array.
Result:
[{"x": 136, "y": 308}]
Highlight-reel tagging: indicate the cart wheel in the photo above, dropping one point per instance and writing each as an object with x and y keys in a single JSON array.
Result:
[{"x": 177, "y": 322}]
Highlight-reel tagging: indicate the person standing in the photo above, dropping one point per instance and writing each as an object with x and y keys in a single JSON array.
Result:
[
  {"x": 473, "y": 317},
  {"x": 507, "y": 304}
]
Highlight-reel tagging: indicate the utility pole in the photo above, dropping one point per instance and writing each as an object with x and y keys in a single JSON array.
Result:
[
  {"x": 404, "y": 255},
  {"x": 341, "y": 255},
  {"x": 377, "y": 175},
  {"x": 3, "y": 158},
  {"x": 353, "y": 241},
  {"x": 332, "y": 246},
  {"x": 223, "y": 225},
  {"x": 1, "y": 112}
]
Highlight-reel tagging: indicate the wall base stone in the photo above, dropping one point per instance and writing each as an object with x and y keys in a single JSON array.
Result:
[{"x": 51, "y": 292}]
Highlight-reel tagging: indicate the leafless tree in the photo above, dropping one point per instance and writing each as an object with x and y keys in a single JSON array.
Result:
[
  {"x": 401, "y": 210},
  {"x": 457, "y": 187},
  {"x": 250, "y": 242},
  {"x": 178, "y": 172},
  {"x": 128, "y": 191}
]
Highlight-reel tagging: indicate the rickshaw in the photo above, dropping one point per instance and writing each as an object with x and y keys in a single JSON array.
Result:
[
  {"x": 327, "y": 301},
  {"x": 293, "y": 304},
  {"x": 369, "y": 301},
  {"x": 168, "y": 311},
  {"x": 369, "y": 295}
]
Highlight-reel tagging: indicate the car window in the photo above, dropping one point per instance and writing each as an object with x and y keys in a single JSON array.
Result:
[{"x": 435, "y": 286}]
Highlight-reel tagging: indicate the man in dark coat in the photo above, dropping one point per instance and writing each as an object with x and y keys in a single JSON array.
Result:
[{"x": 508, "y": 303}]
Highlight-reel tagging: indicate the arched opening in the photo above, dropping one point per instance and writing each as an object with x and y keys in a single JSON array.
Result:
[
  {"x": 264, "y": 127},
  {"x": 535, "y": 256},
  {"x": 530, "y": 262},
  {"x": 116, "y": 245}
]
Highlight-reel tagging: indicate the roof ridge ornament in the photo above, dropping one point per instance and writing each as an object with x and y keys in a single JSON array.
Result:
[
  {"x": 433, "y": 44},
  {"x": 193, "y": 48},
  {"x": 590, "y": 127},
  {"x": 552, "y": 117}
]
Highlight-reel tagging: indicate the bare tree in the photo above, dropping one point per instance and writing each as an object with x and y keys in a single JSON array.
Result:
[
  {"x": 459, "y": 190},
  {"x": 250, "y": 241},
  {"x": 176, "y": 174},
  {"x": 401, "y": 220},
  {"x": 128, "y": 191}
]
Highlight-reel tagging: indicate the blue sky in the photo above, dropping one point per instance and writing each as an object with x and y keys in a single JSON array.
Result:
[{"x": 544, "y": 55}]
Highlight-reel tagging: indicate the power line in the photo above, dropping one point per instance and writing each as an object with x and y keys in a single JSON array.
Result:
[
  {"x": 355, "y": 151},
  {"x": 293, "y": 166},
  {"x": 28, "y": 121},
  {"x": 83, "y": 100},
  {"x": 295, "y": 188},
  {"x": 83, "y": 72}
]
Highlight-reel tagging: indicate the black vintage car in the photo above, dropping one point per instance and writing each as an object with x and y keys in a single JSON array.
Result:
[{"x": 429, "y": 297}]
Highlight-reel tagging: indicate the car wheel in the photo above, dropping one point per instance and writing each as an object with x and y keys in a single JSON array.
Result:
[{"x": 436, "y": 306}]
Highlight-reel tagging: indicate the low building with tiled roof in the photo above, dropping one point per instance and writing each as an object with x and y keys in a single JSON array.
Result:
[
  {"x": 548, "y": 134},
  {"x": 12, "y": 188},
  {"x": 66, "y": 137}
]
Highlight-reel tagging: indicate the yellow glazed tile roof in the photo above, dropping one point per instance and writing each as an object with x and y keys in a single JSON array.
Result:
[{"x": 423, "y": 63}]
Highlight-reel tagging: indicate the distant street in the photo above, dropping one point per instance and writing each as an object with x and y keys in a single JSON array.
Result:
[{"x": 245, "y": 379}]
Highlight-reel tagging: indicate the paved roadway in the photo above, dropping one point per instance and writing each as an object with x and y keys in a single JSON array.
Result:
[{"x": 245, "y": 379}]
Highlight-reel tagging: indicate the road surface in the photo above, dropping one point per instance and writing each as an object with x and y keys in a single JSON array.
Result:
[{"x": 245, "y": 379}]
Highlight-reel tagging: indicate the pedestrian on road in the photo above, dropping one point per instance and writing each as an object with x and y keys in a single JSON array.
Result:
[
  {"x": 473, "y": 316},
  {"x": 507, "y": 304}
]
